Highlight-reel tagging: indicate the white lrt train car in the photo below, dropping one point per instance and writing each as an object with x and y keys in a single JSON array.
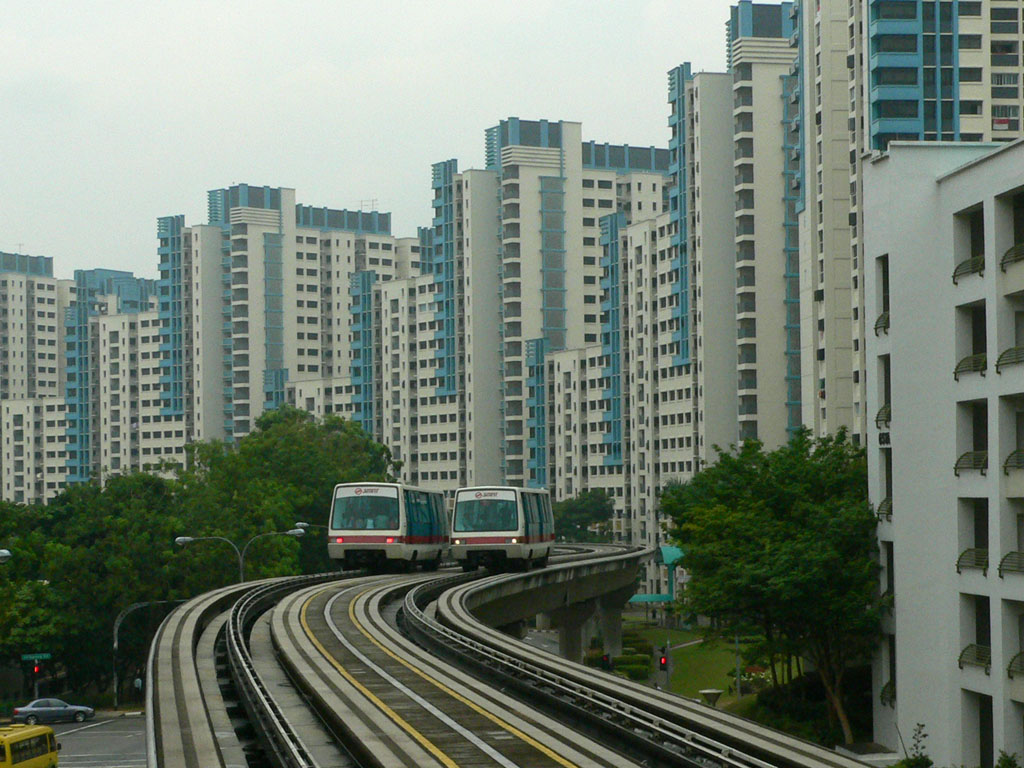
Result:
[
  {"x": 502, "y": 527},
  {"x": 375, "y": 525}
]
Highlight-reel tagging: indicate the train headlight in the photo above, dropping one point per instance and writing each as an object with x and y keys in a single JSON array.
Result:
[
  {"x": 389, "y": 540},
  {"x": 340, "y": 540},
  {"x": 513, "y": 540},
  {"x": 458, "y": 541}
]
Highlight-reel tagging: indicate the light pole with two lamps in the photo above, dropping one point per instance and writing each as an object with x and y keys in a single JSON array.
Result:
[{"x": 181, "y": 541}]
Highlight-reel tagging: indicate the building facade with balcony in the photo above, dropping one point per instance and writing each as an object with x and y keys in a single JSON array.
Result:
[{"x": 944, "y": 295}]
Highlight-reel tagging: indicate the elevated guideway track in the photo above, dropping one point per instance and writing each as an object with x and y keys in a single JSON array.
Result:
[{"x": 372, "y": 671}]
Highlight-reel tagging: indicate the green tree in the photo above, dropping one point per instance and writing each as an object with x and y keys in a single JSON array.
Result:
[
  {"x": 281, "y": 473},
  {"x": 575, "y": 517},
  {"x": 93, "y": 551},
  {"x": 785, "y": 540}
]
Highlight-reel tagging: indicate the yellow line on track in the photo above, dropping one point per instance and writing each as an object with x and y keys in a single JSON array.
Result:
[
  {"x": 423, "y": 740},
  {"x": 458, "y": 697}
]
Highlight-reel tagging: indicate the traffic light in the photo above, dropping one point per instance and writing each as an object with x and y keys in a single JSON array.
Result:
[
  {"x": 35, "y": 669},
  {"x": 663, "y": 663},
  {"x": 606, "y": 662}
]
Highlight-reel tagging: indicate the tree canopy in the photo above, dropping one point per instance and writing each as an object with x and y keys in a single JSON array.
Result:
[
  {"x": 93, "y": 551},
  {"x": 576, "y": 517},
  {"x": 785, "y": 540}
]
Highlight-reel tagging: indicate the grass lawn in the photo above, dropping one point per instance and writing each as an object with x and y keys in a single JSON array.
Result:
[
  {"x": 702, "y": 666},
  {"x": 658, "y": 636}
]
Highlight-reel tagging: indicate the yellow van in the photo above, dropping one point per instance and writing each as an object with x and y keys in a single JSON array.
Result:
[{"x": 28, "y": 746}]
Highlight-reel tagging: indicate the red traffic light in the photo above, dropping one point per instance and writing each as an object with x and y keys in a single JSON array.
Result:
[
  {"x": 664, "y": 662},
  {"x": 35, "y": 669}
]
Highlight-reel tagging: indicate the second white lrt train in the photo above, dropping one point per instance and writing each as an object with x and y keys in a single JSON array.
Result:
[{"x": 502, "y": 527}]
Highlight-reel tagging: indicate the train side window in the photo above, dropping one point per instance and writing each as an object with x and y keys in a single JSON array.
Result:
[{"x": 530, "y": 508}]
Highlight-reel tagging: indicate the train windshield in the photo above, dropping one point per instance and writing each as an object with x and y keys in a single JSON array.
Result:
[
  {"x": 365, "y": 508},
  {"x": 485, "y": 511}
]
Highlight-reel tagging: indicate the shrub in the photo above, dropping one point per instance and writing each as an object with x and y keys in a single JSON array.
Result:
[
  {"x": 634, "y": 672},
  {"x": 592, "y": 658},
  {"x": 631, "y": 660}
]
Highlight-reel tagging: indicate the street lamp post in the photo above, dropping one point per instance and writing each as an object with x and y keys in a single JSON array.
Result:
[
  {"x": 117, "y": 627},
  {"x": 181, "y": 541}
]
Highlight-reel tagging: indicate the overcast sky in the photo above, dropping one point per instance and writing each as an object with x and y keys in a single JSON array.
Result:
[{"x": 115, "y": 113}]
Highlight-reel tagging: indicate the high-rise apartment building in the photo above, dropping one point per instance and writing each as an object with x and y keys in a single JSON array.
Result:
[
  {"x": 824, "y": 219},
  {"x": 32, "y": 304},
  {"x": 931, "y": 70},
  {"x": 94, "y": 385},
  {"x": 554, "y": 190},
  {"x": 262, "y": 296},
  {"x": 439, "y": 340},
  {"x": 766, "y": 332},
  {"x": 944, "y": 271},
  {"x": 32, "y": 378}
]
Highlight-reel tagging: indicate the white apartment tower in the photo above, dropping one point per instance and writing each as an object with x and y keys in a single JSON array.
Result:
[
  {"x": 945, "y": 268},
  {"x": 765, "y": 331},
  {"x": 824, "y": 221}
]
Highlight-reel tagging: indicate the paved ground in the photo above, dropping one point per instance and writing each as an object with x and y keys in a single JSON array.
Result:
[{"x": 106, "y": 742}]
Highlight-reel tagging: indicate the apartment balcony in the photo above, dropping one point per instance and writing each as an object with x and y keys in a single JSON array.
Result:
[
  {"x": 888, "y": 694},
  {"x": 971, "y": 364},
  {"x": 1011, "y": 356},
  {"x": 884, "y": 509},
  {"x": 971, "y": 460},
  {"x": 975, "y": 655},
  {"x": 1013, "y": 277},
  {"x": 1015, "y": 671},
  {"x": 974, "y": 265},
  {"x": 884, "y": 416},
  {"x": 973, "y": 559},
  {"x": 1012, "y": 562},
  {"x": 1013, "y": 254},
  {"x": 882, "y": 324}
]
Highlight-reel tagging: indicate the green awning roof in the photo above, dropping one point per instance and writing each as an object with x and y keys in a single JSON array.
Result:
[
  {"x": 670, "y": 555},
  {"x": 651, "y": 599}
]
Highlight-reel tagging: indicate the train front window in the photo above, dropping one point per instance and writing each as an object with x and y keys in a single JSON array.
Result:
[
  {"x": 485, "y": 515},
  {"x": 365, "y": 509}
]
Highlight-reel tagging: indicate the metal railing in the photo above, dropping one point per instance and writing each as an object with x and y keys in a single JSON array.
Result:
[
  {"x": 1012, "y": 562},
  {"x": 968, "y": 267},
  {"x": 882, "y": 323},
  {"x": 885, "y": 508},
  {"x": 975, "y": 655},
  {"x": 1014, "y": 461},
  {"x": 976, "y": 558},
  {"x": 971, "y": 364},
  {"x": 1011, "y": 356},
  {"x": 884, "y": 416},
  {"x": 971, "y": 460},
  {"x": 1016, "y": 666},
  {"x": 1013, "y": 254},
  {"x": 888, "y": 694}
]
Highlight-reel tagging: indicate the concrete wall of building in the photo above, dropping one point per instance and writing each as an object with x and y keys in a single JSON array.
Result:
[{"x": 919, "y": 199}]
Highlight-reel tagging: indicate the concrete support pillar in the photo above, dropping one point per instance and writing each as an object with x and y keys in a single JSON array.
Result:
[
  {"x": 516, "y": 629},
  {"x": 571, "y": 621},
  {"x": 544, "y": 621},
  {"x": 611, "y": 631},
  {"x": 611, "y": 606}
]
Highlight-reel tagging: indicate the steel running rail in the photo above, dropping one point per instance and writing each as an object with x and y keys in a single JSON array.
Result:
[
  {"x": 667, "y": 738},
  {"x": 277, "y": 734}
]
